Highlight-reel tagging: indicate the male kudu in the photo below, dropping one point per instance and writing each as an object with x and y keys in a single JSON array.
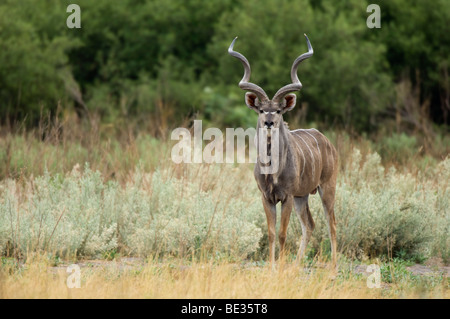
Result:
[{"x": 307, "y": 163}]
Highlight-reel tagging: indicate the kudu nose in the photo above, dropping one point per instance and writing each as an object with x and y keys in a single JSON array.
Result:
[{"x": 268, "y": 124}]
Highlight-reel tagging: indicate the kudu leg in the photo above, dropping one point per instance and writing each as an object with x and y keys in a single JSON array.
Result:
[
  {"x": 307, "y": 223},
  {"x": 327, "y": 194},
  {"x": 271, "y": 215},
  {"x": 286, "y": 209}
]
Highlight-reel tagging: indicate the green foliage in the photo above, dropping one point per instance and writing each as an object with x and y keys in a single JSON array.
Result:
[
  {"x": 147, "y": 58},
  {"x": 145, "y": 53},
  {"x": 159, "y": 63},
  {"x": 396, "y": 272},
  {"x": 344, "y": 78},
  {"x": 33, "y": 61},
  {"x": 398, "y": 147},
  {"x": 417, "y": 44}
]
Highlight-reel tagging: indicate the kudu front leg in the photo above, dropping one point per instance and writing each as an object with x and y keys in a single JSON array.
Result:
[
  {"x": 286, "y": 209},
  {"x": 271, "y": 215},
  {"x": 307, "y": 223}
]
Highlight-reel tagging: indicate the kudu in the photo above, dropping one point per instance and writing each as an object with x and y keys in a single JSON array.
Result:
[{"x": 308, "y": 162}]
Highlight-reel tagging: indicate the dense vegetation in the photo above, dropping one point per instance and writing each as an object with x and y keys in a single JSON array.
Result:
[
  {"x": 163, "y": 61},
  {"x": 108, "y": 93},
  {"x": 129, "y": 199}
]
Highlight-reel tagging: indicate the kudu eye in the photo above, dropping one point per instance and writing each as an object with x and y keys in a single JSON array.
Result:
[
  {"x": 278, "y": 111},
  {"x": 260, "y": 111}
]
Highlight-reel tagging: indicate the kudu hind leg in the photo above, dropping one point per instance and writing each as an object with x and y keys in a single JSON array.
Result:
[
  {"x": 327, "y": 194},
  {"x": 307, "y": 223}
]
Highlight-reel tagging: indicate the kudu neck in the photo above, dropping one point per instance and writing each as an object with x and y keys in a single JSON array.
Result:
[{"x": 283, "y": 143}]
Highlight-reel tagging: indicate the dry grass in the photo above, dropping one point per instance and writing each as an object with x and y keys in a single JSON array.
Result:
[{"x": 174, "y": 279}]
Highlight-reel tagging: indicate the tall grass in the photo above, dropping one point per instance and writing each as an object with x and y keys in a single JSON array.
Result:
[{"x": 93, "y": 193}]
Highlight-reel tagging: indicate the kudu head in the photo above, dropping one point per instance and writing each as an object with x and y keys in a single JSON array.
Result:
[{"x": 270, "y": 112}]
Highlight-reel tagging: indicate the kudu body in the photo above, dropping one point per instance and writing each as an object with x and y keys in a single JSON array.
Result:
[{"x": 308, "y": 162}]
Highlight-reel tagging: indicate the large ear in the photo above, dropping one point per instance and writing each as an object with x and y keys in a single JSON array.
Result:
[
  {"x": 289, "y": 100},
  {"x": 252, "y": 101}
]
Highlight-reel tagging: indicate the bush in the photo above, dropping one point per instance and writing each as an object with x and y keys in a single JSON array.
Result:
[
  {"x": 398, "y": 147},
  {"x": 185, "y": 210},
  {"x": 80, "y": 214}
]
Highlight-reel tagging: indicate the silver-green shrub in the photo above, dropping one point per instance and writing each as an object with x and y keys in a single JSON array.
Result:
[
  {"x": 180, "y": 211},
  {"x": 79, "y": 213}
]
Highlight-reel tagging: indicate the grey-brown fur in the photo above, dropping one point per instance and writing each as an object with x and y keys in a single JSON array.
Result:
[{"x": 308, "y": 162}]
